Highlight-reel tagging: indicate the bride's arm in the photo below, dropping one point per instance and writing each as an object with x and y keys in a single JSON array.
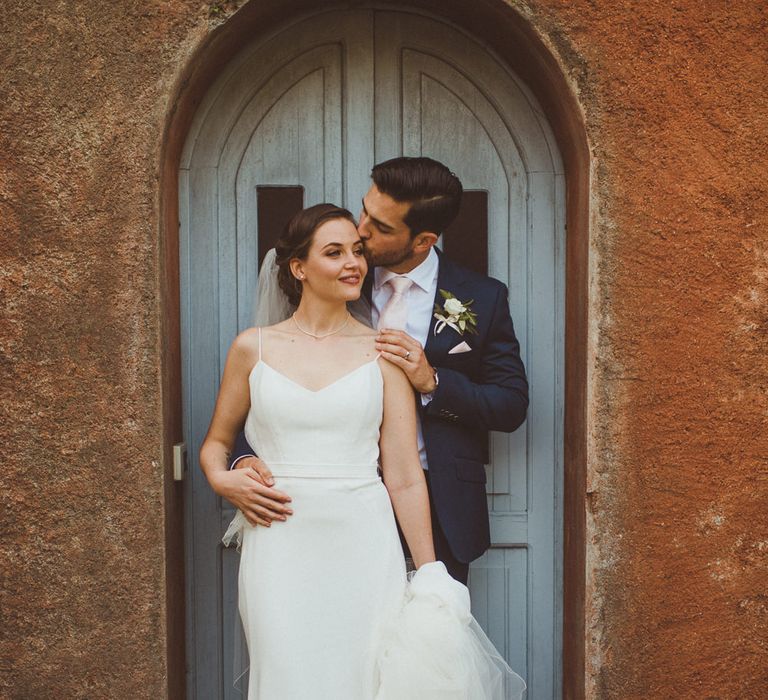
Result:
[
  {"x": 401, "y": 468},
  {"x": 242, "y": 487}
]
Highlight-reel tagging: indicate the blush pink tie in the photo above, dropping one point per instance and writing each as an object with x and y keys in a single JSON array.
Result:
[{"x": 394, "y": 315}]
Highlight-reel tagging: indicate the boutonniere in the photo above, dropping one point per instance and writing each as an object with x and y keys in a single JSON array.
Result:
[{"x": 456, "y": 314}]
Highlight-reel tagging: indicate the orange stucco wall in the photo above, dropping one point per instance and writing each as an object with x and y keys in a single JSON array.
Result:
[{"x": 674, "y": 101}]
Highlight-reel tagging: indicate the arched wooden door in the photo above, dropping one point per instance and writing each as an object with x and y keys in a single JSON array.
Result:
[{"x": 301, "y": 116}]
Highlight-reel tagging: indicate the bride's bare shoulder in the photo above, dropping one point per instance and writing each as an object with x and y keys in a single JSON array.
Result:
[
  {"x": 393, "y": 376},
  {"x": 251, "y": 335},
  {"x": 359, "y": 329},
  {"x": 281, "y": 328},
  {"x": 248, "y": 340},
  {"x": 364, "y": 337},
  {"x": 244, "y": 350}
]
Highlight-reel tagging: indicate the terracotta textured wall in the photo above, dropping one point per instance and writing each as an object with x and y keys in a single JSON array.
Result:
[
  {"x": 84, "y": 91},
  {"x": 674, "y": 96},
  {"x": 675, "y": 99}
]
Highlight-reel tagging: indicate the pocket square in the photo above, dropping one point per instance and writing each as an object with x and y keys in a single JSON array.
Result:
[{"x": 461, "y": 347}]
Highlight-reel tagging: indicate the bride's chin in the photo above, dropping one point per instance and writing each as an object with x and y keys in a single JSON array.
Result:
[
  {"x": 350, "y": 292},
  {"x": 343, "y": 298},
  {"x": 353, "y": 295}
]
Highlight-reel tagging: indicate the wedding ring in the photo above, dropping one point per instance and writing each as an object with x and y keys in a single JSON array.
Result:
[{"x": 407, "y": 355}]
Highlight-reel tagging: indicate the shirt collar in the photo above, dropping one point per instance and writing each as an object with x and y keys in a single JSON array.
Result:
[{"x": 423, "y": 275}]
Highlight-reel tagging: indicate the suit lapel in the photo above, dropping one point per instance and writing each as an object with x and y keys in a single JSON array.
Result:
[{"x": 449, "y": 279}]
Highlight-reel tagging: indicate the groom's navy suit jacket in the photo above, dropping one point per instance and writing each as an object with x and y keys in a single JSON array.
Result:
[{"x": 480, "y": 390}]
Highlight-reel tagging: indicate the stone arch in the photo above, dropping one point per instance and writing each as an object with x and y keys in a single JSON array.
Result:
[{"x": 515, "y": 40}]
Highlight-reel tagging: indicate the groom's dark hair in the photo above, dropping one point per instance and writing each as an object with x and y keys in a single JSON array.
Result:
[{"x": 431, "y": 189}]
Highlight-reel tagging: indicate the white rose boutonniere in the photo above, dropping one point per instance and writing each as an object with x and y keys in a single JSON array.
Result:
[{"x": 456, "y": 314}]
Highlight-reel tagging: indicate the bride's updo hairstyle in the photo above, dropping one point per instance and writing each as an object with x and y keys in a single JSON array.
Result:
[{"x": 296, "y": 240}]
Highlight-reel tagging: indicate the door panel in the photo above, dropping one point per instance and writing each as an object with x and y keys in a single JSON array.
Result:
[
  {"x": 297, "y": 110},
  {"x": 288, "y": 112},
  {"x": 456, "y": 103}
]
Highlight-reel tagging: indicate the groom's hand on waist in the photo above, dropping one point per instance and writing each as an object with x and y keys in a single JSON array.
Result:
[
  {"x": 265, "y": 503},
  {"x": 406, "y": 352}
]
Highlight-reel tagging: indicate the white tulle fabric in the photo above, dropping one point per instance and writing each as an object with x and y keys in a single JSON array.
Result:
[
  {"x": 271, "y": 305},
  {"x": 433, "y": 649}
]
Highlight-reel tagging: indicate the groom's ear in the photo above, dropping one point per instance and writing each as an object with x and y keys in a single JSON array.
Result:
[{"x": 424, "y": 241}]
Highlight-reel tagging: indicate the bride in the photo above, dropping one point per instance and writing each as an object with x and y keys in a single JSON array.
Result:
[{"x": 326, "y": 607}]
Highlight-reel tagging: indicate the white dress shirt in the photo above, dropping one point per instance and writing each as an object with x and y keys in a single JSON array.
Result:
[{"x": 421, "y": 300}]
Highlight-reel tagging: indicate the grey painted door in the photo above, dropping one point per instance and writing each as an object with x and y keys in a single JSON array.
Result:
[{"x": 314, "y": 106}]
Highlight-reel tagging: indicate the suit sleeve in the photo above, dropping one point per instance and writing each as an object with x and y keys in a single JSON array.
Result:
[
  {"x": 499, "y": 400},
  {"x": 241, "y": 449}
]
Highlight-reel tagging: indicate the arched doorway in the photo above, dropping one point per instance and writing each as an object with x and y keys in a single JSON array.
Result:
[{"x": 311, "y": 114}]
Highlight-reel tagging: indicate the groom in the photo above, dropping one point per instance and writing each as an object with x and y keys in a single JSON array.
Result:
[{"x": 466, "y": 383}]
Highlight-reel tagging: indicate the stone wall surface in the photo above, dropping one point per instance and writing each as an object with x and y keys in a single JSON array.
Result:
[
  {"x": 675, "y": 100},
  {"x": 674, "y": 97},
  {"x": 85, "y": 88}
]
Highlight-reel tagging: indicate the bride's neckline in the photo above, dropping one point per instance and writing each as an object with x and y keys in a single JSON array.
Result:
[{"x": 306, "y": 388}]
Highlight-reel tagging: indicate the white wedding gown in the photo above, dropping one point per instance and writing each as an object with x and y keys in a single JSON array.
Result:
[{"x": 322, "y": 594}]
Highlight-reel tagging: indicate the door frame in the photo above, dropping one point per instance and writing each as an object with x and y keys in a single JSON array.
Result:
[{"x": 524, "y": 49}]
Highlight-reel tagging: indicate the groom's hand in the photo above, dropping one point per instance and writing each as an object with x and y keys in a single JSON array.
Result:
[
  {"x": 266, "y": 503},
  {"x": 400, "y": 349}
]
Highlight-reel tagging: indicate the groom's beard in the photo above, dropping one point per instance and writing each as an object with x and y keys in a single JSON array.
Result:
[{"x": 389, "y": 258}]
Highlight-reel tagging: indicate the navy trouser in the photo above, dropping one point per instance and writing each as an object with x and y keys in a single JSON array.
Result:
[{"x": 458, "y": 569}]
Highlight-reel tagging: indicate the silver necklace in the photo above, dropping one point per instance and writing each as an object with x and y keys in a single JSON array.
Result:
[{"x": 321, "y": 335}]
